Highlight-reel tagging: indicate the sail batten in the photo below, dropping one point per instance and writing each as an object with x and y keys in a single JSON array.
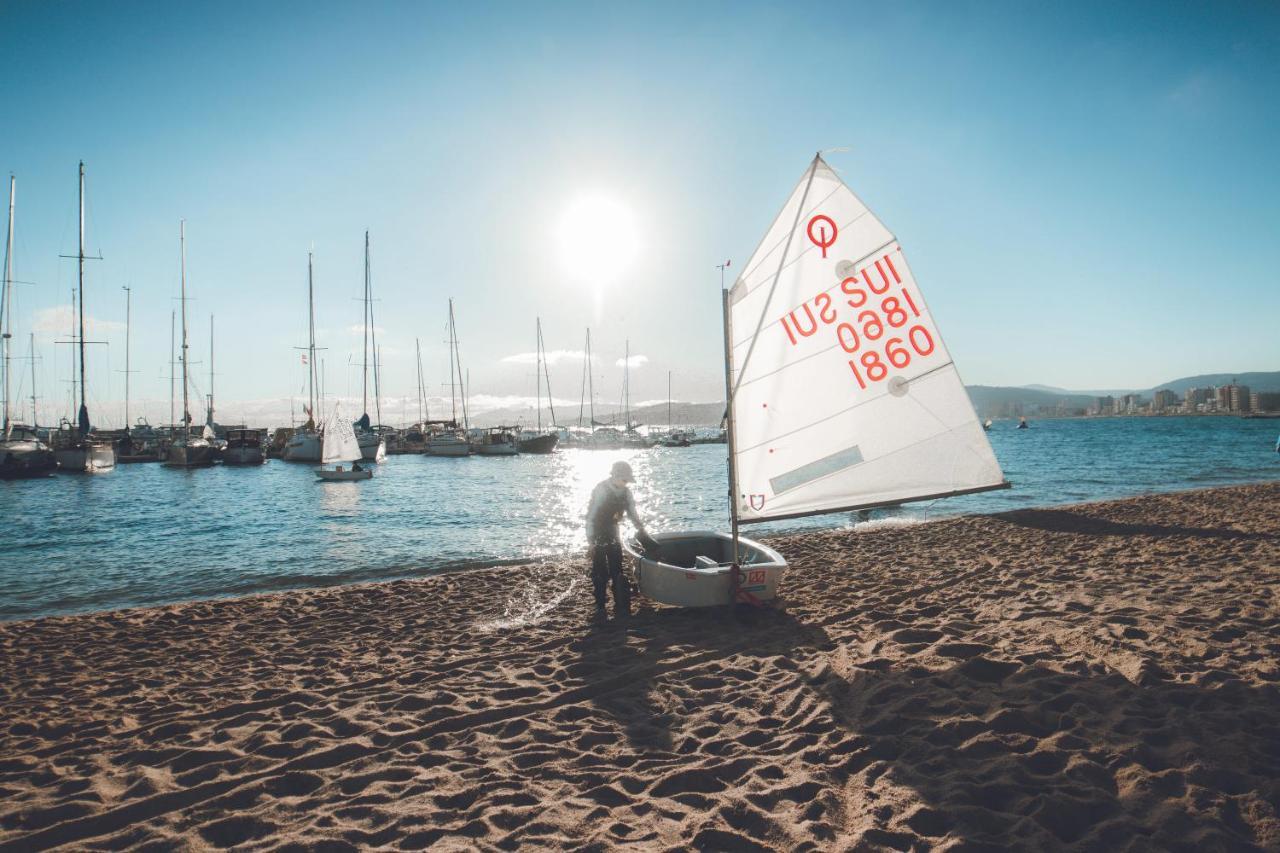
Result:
[{"x": 844, "y": 395}]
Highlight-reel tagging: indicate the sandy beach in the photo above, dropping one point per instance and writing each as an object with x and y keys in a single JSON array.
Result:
[{"x": 1103, "y": 676}]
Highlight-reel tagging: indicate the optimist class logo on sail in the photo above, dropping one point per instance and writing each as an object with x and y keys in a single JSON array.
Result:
[{"x": 873, "y": 312}]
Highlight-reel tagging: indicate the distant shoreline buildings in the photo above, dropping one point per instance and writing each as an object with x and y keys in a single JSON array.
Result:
[{"x": 1227, "y": 399}]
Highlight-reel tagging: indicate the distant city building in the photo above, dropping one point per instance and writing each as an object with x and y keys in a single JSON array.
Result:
[
  {"x": 1130, "y": 404},
  {"x": 1239, "y": 398},
  {"x": 1222, "y": 397},
  {"x": 1264, "y": 401},
  {"x": 1105, "y": 405},
  {"x": 1163, "y": 400}
]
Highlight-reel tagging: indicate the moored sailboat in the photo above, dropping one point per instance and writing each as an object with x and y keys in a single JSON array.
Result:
[
  {"x": 187, "y": 450},
  {"x": 75, "y": 446},
  {"x": 22, "y": 453},
  {"x": 305, "y": 444},
  {"x": 373, "y": 447},
  {"x": 445, "y": 438},
  {"x": 537, "y": 441},
  {"x": 841, "y": 396}
]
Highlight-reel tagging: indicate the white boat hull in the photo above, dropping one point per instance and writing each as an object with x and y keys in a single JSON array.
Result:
[
  {"x": 88, "y": 458},
  {"x": 676, "y": 576},
  {"x": 373, "y": 448},
  {"x": 303, "y": 447}
]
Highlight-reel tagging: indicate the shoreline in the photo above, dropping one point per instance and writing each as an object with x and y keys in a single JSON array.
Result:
[
  {"x": 285, "y": 584},
  {"x": 1084, "y": 675}
]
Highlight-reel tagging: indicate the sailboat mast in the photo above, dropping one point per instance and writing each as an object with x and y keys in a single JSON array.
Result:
[
  {"x": 311, "y": 341},
  {"x": 453, "y": 394},
  {"x": 668, "y": 401},
  {"x": 546, "y": 376},
  {"x": 591, "y": 385},
  {"x": 128, "y": 313},
  {"x": 210, "y": 369},
  {"x": 457, "y": 359},
  {"x": 84, "y": 409},
  {"x": 538, "y": 374},
  {"x": 7, "y": 307},
  {"x": 186, "y": 403},
  {"x": 35, "y": 421},
  {"x": 626, "y": 388},
  {"x": 173, "y": 371},
  {"x": 417, "y": 349},
  {"x": 729, "y": 426},
  {"x": 365, "y": 383}
]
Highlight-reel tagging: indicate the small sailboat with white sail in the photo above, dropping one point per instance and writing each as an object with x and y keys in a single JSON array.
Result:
[
  {"x": 22, "y": 453},
  {"x": 305, "y": 445},
  {"x": 340, "y": 445},
  {"x": 841, "y": 396},
  {"x": 187, "y": 450},
  {"x": 75, "y": 446}
]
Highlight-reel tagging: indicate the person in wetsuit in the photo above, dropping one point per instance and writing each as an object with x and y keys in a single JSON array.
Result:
[{"x": 610, "y": 500}]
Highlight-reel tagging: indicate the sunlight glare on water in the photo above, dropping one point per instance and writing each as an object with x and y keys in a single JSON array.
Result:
[{"x": 145, "y": 535}]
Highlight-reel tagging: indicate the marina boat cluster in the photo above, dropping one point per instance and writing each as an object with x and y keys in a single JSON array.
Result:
[{"x": 29, "y": 450}]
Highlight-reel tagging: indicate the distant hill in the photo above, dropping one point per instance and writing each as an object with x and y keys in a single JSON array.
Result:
[
  {"x": 682, "y": 414},
  {"x": 1256, "y": 380}
]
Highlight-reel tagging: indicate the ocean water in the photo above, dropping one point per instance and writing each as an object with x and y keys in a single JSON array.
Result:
[{"x": 147, "y": 535}]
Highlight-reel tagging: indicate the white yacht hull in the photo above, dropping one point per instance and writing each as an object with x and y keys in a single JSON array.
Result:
[
  {"x": 694, "y": 569},
  {"x": 373, "y": 448},
  {"x": 303, "y": 447},
  {"x": 88, "y": 458}
]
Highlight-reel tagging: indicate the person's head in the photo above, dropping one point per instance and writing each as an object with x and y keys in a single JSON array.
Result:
[{"x": 621, "y": 474}]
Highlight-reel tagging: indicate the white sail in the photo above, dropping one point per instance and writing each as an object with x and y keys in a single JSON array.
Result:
[
  {"x": 340, "y": 444},
  {"x": 846, "y": 396}
]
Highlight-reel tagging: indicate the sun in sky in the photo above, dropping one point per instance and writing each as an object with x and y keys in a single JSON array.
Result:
[{"x": 597, "y": 238}]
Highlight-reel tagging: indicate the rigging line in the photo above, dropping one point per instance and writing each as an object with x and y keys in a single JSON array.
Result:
[
  {"x": 845, "y": 410},
  {"x": 813, "y": 170},
  {"x": 785, "y": 311}
]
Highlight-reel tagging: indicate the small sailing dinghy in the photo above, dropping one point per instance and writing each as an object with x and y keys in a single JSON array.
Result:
[
  {"x": 841, "y": 396},
  {"x": 340, "y": 445}
]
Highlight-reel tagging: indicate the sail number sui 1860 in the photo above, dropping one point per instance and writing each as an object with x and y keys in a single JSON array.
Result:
[{"x": 860, "y": 336}]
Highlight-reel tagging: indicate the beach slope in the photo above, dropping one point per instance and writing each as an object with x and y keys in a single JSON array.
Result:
[{"x": 1102, "y": 676}]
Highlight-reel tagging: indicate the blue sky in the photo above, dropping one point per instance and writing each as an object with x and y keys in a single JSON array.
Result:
[{"x": 1088, "y": 192}]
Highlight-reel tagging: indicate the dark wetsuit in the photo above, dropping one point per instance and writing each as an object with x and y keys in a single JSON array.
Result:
[{"x": 608, "y": 504}]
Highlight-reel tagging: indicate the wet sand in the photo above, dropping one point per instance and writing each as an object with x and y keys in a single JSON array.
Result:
[{"x": 1104, "y": 676}]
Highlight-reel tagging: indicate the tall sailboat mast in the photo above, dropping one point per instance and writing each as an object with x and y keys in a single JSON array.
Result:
[
  {"x": 128, "y": 312},
  {"x": 186, "y": 405},
  {"x": 173, "y": 370},
  {"x": 84, "y": 409},
  {"x": 457, "y": 360},
  {"x": 210, "y": 370},
  {"x": 7, "y": 307},
  {"x": 35, "y": 421},
  {"x": 311, "y": 341},
  {"x": 417, "y": 349},
  {"x": 591, "y": 385},
  {"x": 537, "y": 371},
  {"x": 546, "y": 376},
  {"x": 365, "y": 382}
]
